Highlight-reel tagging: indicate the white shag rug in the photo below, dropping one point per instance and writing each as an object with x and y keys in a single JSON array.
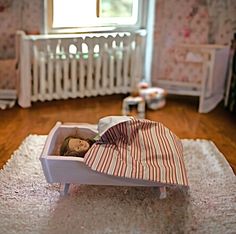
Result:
[{"x": 29, "y": 205}]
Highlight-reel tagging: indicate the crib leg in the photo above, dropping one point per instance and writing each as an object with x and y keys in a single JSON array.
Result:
[
  {"x": 162, "y": 193},
  {"x": 64, "y": 189}
]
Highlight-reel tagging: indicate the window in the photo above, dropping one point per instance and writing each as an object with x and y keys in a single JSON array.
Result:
[{"x": 92, "y": 15}]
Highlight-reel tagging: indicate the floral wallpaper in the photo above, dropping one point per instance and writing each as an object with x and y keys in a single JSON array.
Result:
[
  {"x": 7, "y": 74},
  {"x": 222, "y": 25},
  {"x": 15, "y": 15},
  {"x": 177, "y": 21},
  {"x": 193, "y": 22}
]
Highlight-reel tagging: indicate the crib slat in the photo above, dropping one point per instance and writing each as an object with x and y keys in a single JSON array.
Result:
[
  {"x": 111, "y": 68},
  {"x": 118, "y": 73},
  {"x": 81, "y": 77},
  {"x": 104, "y": 66},
  {"x": 51, "y": 73},
  {"x": 111, "y": 74},
  {"x": 58, "y": 76},
  {"x": 65, "y": 78},
  {"x": 126, "y": 59},
  {"x": 35, "y": 73},
  {"x": 42, "y": 69},
  {"x": 50, "y": 77},
  {"x": 118, "y": 58},
  {"x": 138, "y": 56},
  {"x": 89, "y": 74},
  {"x": 132, "y": 66},
  {"x": 73, "y": 77},
  {"x": 98, "y": 63}
]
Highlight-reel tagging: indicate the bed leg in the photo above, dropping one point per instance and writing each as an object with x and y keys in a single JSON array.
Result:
[
  {"x": 64, "y": 189},
  {"x": 162, "y": 193}
]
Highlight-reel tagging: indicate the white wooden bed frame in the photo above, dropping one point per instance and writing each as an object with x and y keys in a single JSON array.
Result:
[{"x": 72, "y": 170}]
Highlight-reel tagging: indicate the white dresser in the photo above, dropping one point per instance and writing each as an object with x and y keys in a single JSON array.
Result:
[{"x": 213, "y": 61}]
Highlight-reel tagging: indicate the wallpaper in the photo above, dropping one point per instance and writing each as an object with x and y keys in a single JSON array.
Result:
[
  {"x": 7, "y": 74},
  {"x": 222, "y": 24},
  {"x": 189, "y": 21},
  {"x": 15, "y": 15}
]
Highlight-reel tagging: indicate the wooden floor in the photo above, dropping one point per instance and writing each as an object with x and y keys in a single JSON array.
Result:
[{"x": 180, "y": 115}]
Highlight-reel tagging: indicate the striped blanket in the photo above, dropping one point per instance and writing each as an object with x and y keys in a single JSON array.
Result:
[{"x": 138, "y": 149}]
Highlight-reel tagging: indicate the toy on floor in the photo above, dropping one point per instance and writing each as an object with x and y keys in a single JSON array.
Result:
[
  {"x": 134, "y": 101},
  {"x": 154, "y": 97}
]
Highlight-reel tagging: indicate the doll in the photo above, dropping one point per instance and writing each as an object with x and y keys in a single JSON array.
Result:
[{"x": 75, "y": 146}]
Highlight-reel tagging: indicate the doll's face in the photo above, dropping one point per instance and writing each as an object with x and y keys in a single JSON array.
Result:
[{"x": 78, "y": 145}]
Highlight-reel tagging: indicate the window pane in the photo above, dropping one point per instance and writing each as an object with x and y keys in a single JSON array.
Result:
[
  {"x": 111, "y": 8},
  {"x": 68, "y": 14},
  {"x": 73, "y": 13}
]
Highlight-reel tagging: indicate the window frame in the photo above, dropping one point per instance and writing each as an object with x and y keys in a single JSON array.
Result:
[{"x": 48, "y": 21}]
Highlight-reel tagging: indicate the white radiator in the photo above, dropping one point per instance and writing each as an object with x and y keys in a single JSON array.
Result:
[{"x": 70, "y": 66}]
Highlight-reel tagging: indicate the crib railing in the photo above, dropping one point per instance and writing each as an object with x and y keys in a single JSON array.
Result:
[{"x": 70, "y": 66}]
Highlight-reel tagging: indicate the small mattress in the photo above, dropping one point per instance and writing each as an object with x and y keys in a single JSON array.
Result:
[{"x": 137, "y": 149}]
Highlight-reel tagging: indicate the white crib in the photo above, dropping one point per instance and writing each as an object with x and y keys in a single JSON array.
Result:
[{"x": 70, "y": 66}]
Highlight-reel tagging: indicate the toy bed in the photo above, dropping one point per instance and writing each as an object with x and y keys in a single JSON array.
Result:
[{"x": 128, "y": 152}]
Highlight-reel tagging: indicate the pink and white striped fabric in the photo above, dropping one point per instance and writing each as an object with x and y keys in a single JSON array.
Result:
[{"x": 139, "y": 149}]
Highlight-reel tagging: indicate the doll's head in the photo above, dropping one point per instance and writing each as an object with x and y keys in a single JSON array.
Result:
[{"x": 75, "y": 146}]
